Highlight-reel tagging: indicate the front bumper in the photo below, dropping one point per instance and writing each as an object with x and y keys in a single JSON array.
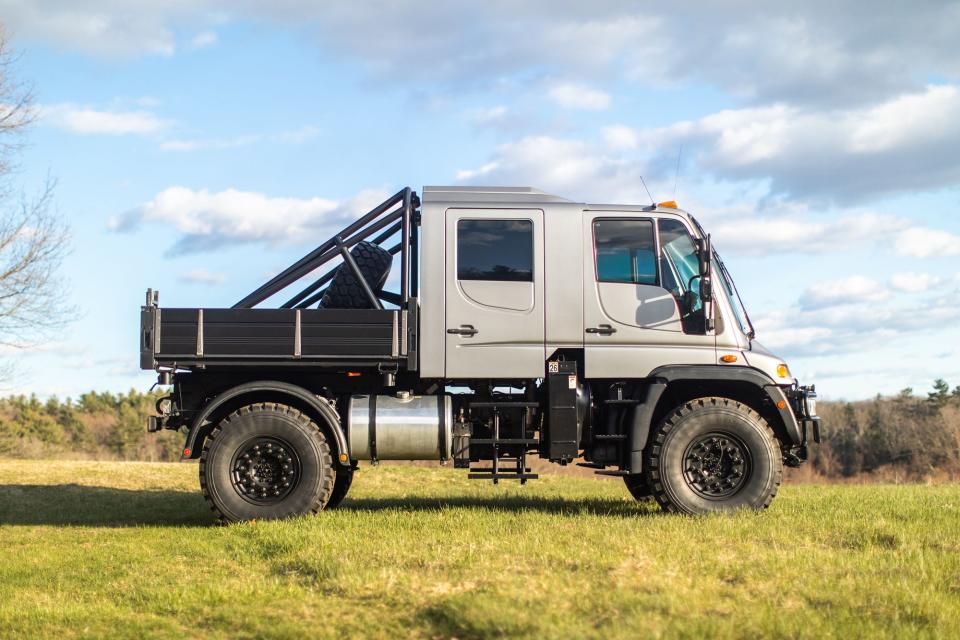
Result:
[{"x": 804, "y": 403}]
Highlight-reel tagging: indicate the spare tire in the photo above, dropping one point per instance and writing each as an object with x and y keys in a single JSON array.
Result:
[{"x": 345, "y": 291}]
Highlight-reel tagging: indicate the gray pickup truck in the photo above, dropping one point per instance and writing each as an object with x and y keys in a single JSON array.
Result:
[{"x": 521, "y": 324}]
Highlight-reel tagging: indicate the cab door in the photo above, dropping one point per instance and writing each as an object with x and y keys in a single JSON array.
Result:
[
  {"x": 494, "y": 293},
  {"x": 632, "y": 321}
]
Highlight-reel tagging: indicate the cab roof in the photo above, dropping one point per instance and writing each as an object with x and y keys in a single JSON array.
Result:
[{"x": 524, "y": 196}]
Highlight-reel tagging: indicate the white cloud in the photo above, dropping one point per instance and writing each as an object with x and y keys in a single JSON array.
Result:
[
  {"x": 489, "y": 115},
  {"x": 208, "y": 220},
  {"x": 297, "y": 136},
  {"x": 203, "y": 39},
  {"x": 89, "y": 121},
  {"x": 909, "y": 282},
  {"x": 848, "y": 328},
  {"x": 798, "y": 51},
  {"x": 575, "y": 96},
  {"x": 571, "y": 168},
  {"x": 906, "y": 143},
  {"x": 924, "y": 242},
  {"x": 202, "y": 276},
  {"x": 108, "y": 28},
  {"x": 854, "y": 289},
  {"x": 620, "y": 137},
  {"x": 801, "y": 232}
]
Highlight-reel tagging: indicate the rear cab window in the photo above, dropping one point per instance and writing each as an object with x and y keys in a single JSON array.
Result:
[{"x": 495, "y": 250}]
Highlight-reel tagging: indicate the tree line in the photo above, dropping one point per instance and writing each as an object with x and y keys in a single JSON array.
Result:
[
  {"x": 907, "y": 436},
  {"x": 95, "y": 426}
]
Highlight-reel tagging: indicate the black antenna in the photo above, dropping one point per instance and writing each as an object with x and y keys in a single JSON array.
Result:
[
  {"x": 676, "y": 176},
  {"x": 652, "y": 201}
]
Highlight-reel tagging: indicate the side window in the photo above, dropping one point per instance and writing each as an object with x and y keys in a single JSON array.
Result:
[
  {"x": 499, "y": 250},
  {"x": 625, "y": 251}
]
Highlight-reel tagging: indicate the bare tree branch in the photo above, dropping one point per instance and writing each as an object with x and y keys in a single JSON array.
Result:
[{"x": 33, "y": 237}]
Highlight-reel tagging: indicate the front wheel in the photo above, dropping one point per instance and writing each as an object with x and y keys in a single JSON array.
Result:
[
  {"x": 713, "y": 454},
  {"x": 266, "y": 461},
  {"x": 637, "y": 486}
]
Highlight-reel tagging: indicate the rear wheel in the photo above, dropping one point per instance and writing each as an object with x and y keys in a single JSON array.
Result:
[
  {"x": 713, "y": 454},
  {"x": 341, "y": 485},
  {"x": 266, "y": 461}
]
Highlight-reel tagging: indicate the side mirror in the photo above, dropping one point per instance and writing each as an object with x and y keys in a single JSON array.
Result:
[{"x": 705, "y": 255}]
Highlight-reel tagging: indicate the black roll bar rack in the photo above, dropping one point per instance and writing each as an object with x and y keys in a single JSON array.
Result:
[{"x": 401, "y": 218}]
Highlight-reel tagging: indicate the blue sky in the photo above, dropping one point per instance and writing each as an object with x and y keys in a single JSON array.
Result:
[{"x": 200, "y": 146}]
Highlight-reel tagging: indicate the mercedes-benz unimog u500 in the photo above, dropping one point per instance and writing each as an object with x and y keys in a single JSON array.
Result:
[{"x": 523, "y": 324}]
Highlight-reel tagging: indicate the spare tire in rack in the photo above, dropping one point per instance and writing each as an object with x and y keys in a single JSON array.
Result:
[{"x": 345, "y": 291}]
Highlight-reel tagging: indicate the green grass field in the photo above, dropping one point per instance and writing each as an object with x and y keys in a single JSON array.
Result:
[{"x": 130, "y": 550}]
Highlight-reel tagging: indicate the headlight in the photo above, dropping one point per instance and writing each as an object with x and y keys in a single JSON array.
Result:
[
  {"x": 783, "y": 371},
  {"x": 811, "y": 399}
]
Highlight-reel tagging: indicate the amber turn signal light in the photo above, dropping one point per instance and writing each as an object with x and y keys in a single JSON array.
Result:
[
  {"x": 728, "y": 358},
  {"x": 783, "y": 371}
]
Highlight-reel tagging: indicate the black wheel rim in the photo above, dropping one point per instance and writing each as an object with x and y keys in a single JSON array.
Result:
[
  {"x": 265, "y": 470},
  {"x": 716, "y": 465}
]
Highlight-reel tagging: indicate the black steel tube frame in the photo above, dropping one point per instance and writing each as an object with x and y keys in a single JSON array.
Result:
[
  {"x": 328, "y": 250},
  {"x": 331, "y": 254},
  {"x": 352, "y": 265},
  {"x": 327, "y": 277},
  {"x": 298, "y": 302}
]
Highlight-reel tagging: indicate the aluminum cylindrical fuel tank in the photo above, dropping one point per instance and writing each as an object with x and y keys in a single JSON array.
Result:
[{"x": 400, "y": 428}]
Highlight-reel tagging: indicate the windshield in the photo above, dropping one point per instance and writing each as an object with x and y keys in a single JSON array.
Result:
[
  {"x": 734, "y": 297},
  {"x": 732, "y": 294}
]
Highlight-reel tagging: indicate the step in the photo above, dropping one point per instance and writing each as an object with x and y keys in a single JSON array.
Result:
[
  {"x": 502, "y": 476},
  {"x": 506, "y": 469},
  {"x": 504, "y": 441}
]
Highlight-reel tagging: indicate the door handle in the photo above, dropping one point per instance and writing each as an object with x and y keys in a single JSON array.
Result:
[
  {"x": 465, "y": 330},
  {"x": 603, "y": 330}
]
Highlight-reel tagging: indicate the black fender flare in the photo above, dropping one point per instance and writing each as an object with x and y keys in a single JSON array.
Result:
[
  {"x": 663, "y": 376},
  {"x": 319, "y": 406}
]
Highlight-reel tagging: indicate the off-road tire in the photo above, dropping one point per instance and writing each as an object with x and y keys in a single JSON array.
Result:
[
  {"x": 637, "y": 486},
  {"x": 341, "y": 485},
  {"x": 675, "y": 448},
  {"x": 345, "y": 291},
  {"x": 269, "y": 422}
]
